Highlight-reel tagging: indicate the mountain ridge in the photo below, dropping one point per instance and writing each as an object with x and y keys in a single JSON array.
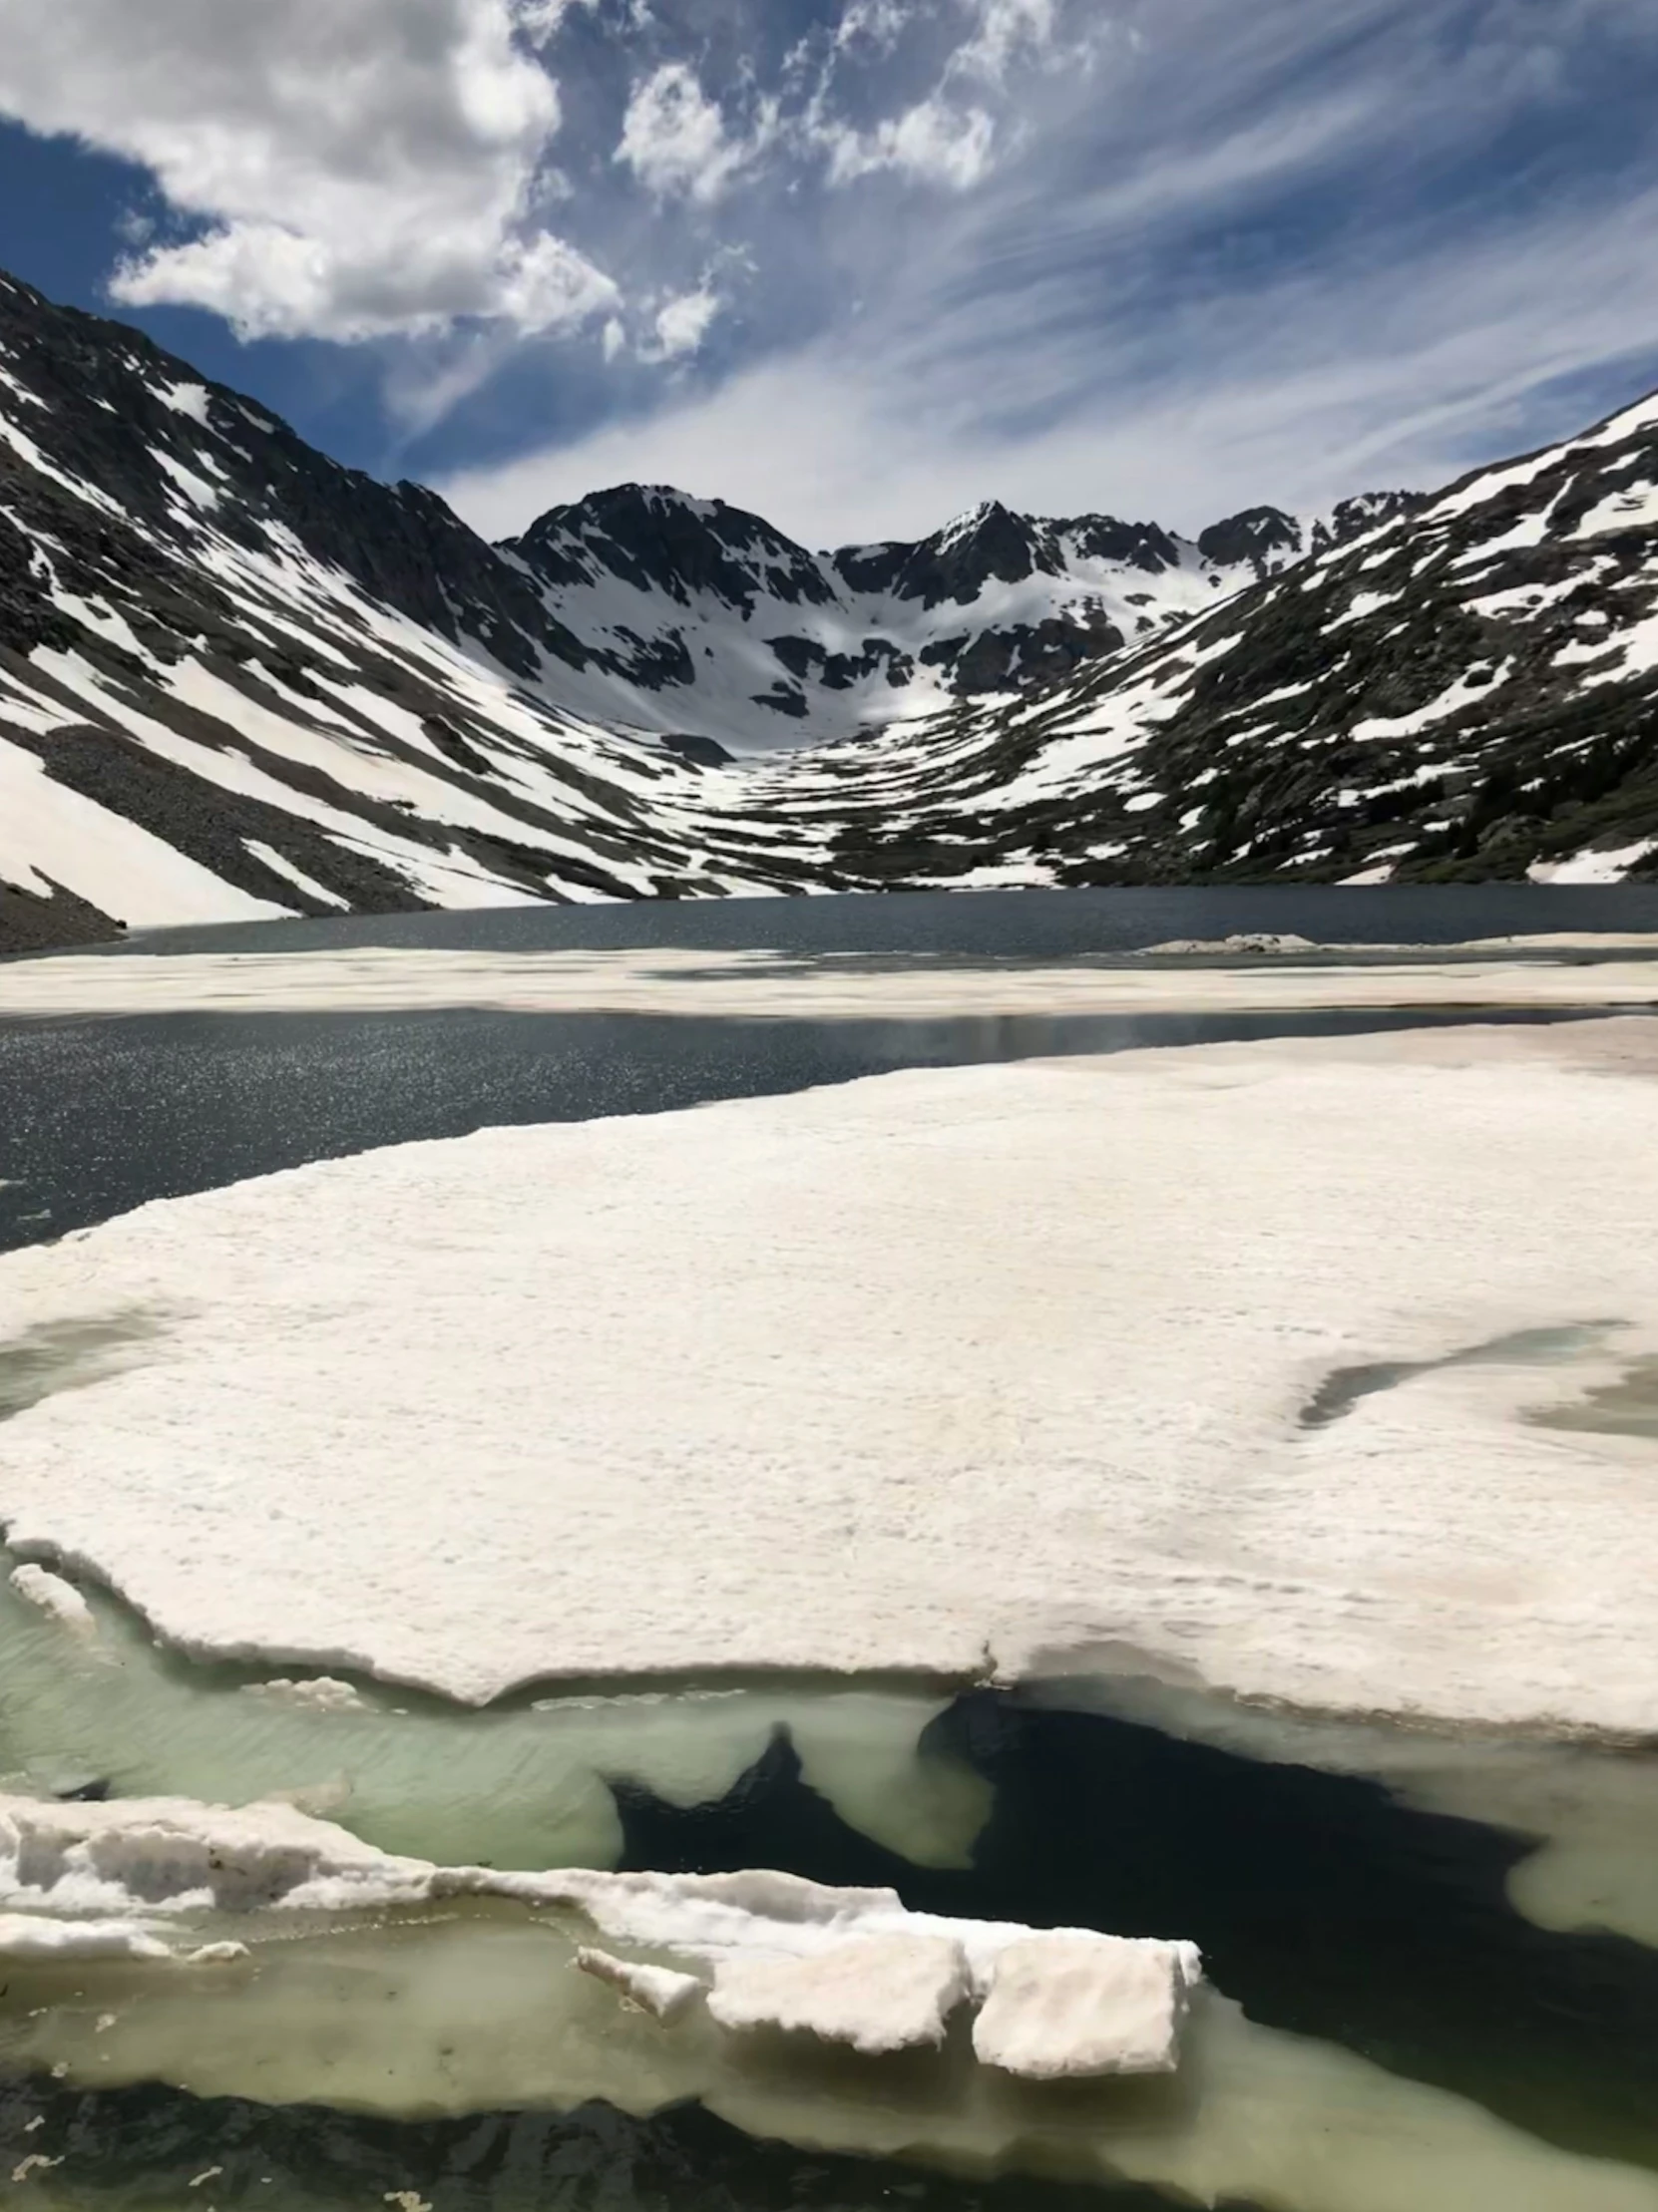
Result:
[
  {"x": 994, "y": 600},
  {"x": 238, "y": 679}
]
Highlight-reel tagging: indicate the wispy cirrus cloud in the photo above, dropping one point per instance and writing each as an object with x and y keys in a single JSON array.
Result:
[{"x": 1223, "y": 256}]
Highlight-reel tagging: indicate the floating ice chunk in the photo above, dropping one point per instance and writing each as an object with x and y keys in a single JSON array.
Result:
[
  {"x": 878, "y": 1994},
  {"x": 849, "y": 1966},
  {"x": 318, "y": 1693},
  {"x": 1063, "y": 2006},
  {"x": 50, "y": 1594},
  {"x": 658, "y": 1990},
  {"x": 1254, "y": 941}
]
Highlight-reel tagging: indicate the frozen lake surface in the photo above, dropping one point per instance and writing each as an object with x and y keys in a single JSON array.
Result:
[{"x": 1444, "y": 1945}]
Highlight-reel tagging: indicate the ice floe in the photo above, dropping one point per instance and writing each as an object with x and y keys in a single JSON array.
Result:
[
  {"x": 947, "y": 1373},
  {"x": 849, "y": 1967},
  {"x": 1063, "y": 2006},
  {"x": 876, "y": 1994}
]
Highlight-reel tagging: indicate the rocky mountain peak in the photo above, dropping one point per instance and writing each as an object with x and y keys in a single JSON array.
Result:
[
  {"x": 1263, "y": 539},
  {"x": 661, "y": 539}
]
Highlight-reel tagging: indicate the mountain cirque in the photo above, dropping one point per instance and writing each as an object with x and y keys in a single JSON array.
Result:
[{"x": 238, "y": 680}]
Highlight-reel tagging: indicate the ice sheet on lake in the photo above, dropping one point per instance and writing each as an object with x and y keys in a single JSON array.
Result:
[
  {"x": 946, "y": 1373},
  {"x": 1564, "y": 972}
]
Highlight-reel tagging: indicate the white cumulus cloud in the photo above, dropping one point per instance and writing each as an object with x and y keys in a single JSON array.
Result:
[
  {"x": 674, "y": 138},
  {"x": 362, "y": 167},
  {"x": 934, "y": 141},
  {"x": 684, "y": 322}
]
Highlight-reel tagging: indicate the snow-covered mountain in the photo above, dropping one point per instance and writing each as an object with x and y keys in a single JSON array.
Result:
[
  {"x": 237, "y": 679},
  {"x": 700, "y": 617},
  {"x": 1466, "y": 692}
]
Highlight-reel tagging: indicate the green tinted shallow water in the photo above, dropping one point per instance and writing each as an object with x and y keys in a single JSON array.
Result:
[
  {"x": 521, "y": 1784},
  {"x": 449, "y": 2013}
]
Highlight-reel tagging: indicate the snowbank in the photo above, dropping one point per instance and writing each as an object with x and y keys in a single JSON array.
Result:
[{"x": 990, "y": 1369}]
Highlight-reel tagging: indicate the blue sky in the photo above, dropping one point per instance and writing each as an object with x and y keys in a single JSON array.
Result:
[{"x": 859, "y": 263}]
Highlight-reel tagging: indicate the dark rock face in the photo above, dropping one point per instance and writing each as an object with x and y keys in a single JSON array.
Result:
[
  {"x": 1136, "y": 545},
  {"x": 702, "y": 752},
  {"x": 1350, "y": 518},
  {"x": 97, "y": 402},
  {"x": 957, "y": 562},
  {"x": 32, "y": 924},
  {"x": 659, "y": 541},
  {"x": 1256, "y": 536}
]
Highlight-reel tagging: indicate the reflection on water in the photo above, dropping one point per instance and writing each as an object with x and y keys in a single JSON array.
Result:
[{"x": 151, "y": 2150}]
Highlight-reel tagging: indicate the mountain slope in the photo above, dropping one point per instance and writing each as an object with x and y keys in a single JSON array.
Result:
[
  {"x": 1463, "y": 693},
  {"x": 237, "y": 679}
]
